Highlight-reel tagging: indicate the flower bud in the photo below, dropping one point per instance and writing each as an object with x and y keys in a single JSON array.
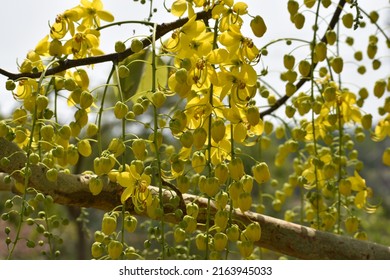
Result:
[
  {"x": 258, "y": 26},
  {"x": 115, "y": 249},
  {"x": 261, "y": 172},
  {"x": 136, "y": 45},
  {"x": 95, "y": 185},
  {"x": 218, "y": 130},
  {"x": 108, "y": 224},
  {"x": 120, "y": 47}
]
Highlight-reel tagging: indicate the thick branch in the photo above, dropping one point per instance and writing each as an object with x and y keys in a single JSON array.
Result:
[
  {"x": 63, "y": 65},
  {"x": 277, "y": 235},
  {"x": 302, "y": 81}
]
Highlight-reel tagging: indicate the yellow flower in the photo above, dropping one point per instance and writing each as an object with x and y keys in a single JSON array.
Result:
[
  {"x": 81, "y": 78},
  {"x": 198, "y": 110},
  {"x": 42, "y": 48},
  {"x": 200, "y": 45},
  {"x": 349, "y": 111},
  {"x": 358, "y": 184},
  {"x": 227, "y": 14},
  {"x": 199, "y": 75},
  {"x": 32, "y": 62},
  {"x": 345, "y": 102},
  {"x": 220, "y": 151},
  {"x": 173, "y": 43},
  {"x": 64, "y": 23},
  {"x": 25, "y": 88},
  {"x": 242, "y": 128},
  {"x": 92, "y": 13},
  {"x": 191, "y": 38},
  {"x": 240, "y": 83},
  {"x": 239, "y": 45},
  {"x": 22, "y": 136},
  {"x": 233, "y": 114},
  {"x": 382, "y": 130},
  {"x": 203, "y": 73},
  {"x": 386, "y": 157},
  {"x": 136, "y": 187},
  {"x": 179, "y": 7},
  {"x": 83, "y": 44}
]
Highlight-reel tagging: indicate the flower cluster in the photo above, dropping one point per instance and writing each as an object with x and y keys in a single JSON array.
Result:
[{"x": 215, "y": 74}]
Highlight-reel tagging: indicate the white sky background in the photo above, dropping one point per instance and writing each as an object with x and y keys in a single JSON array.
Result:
[{"x": 24, "y": 22}]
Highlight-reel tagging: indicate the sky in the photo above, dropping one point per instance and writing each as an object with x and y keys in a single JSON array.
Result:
[{"x": 24, "y": 22}]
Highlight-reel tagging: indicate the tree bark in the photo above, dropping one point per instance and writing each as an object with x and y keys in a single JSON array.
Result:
[{"x": 277, "y": 235}]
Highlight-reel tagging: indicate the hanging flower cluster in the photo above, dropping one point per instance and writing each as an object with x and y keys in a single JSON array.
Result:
[{"x": 199, "y": 144}]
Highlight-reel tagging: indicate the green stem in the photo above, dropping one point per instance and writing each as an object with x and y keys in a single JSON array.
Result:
[
  {"x": 155, "y": 142},
  {"x": 376, "y": 24},
  {"x": 209, "y": 145},
  {"x": 312, "y": 112},
  {"x": 100, "y": 113},
  {"x": 284, "y": 39},
  {"x": 340, "y": 170},
  {"x": 119, "y": 23},
  {"x": 340, "y": 140},
  {"x": 55, "y": 105},
  {"x": 124, "y": 153},
  {"x": 49, "y": 239},
  {"x": 26, "y": 172}
]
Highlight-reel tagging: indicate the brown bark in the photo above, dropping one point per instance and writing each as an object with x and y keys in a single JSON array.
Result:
[{"x": 284, "y": 237}]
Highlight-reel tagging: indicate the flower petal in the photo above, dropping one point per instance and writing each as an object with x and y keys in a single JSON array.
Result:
[
  {"x": 217, "y": 56},
  {"x": 127, "y": 193},
  {"x": 43, "y": 46},
  {"x": 179, "y": 7},
  {"x": 106, "y": 16}
]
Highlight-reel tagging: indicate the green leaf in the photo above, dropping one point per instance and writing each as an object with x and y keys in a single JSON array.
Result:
[{"x": 145, "y": 84}]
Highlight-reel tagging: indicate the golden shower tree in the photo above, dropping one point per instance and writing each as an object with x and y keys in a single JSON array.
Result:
[{"x": 179, "y": 132}]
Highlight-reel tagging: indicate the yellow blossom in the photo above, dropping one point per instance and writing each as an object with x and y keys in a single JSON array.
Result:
[
  {"x": 226, "y": 14},
  {"x": 64, "y": 23},
  {"x": 239, "y": 45},
  {"x": 240, "y": 83},
  {"x": 382, "y": 129},
  {"x": 343, "y": 106},
  {"x": 358, "y": 184},
  {"x": 203, "y": 74},
  {"x": 42, "y": 48},
  {"x": 198, "y": 110},
  {"x": 179, "y": 7},
  {"x": 220, "y": 151},
  {"x": 92, "y": 12},
  {"x": 25, "y": 88},
  {"x": 32, "y": 62},
  {"x": 136, "y": 187},
  {"x": 192, "y": 28},
  {"x": 83, "y": 44}
]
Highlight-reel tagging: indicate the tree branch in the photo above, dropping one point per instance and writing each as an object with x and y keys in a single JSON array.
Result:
[
  {"x": 63, "y": 65},
  {"x": 277, "y": 235},
  {"x": 302, "y": 81}
]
